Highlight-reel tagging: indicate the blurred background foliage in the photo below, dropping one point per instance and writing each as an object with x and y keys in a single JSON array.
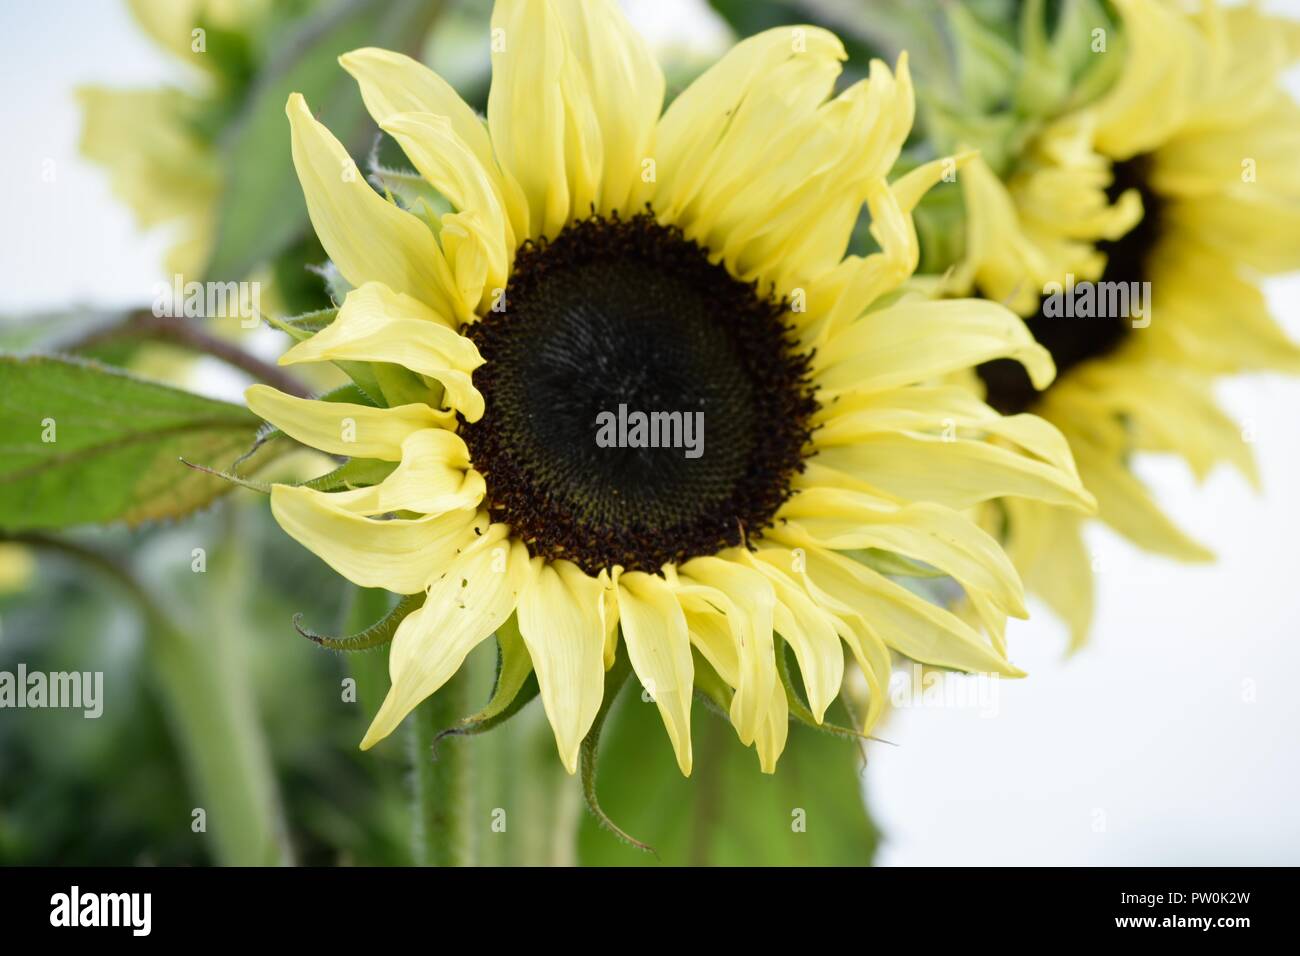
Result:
[{"x": 213, "y": 701}]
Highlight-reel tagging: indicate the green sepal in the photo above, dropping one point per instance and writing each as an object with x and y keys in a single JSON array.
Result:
[
  {"x": 514, "y": 687},
  {"x": 302, "y": 327},
  {"x": 376, "y": 635},
  {"x": 895, "y": 565},
  {"x": 710, "y": 687},
  {"x": 413, "y": 193},
  {"x": 799, "y": 710},
  {"x": 615, "y": 678},
  {"x": 252, "y": 484},
  {"x": 353, "y": 473}
]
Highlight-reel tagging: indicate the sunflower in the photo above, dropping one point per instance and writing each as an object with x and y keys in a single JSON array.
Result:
[
  {"x": 152, "y": 140},
  {"x": 585, "y": 256},
  {"x": 1180, "y": 185}
]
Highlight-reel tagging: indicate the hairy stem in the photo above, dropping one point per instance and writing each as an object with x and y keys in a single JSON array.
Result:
[{"x": 441, "y": 794}]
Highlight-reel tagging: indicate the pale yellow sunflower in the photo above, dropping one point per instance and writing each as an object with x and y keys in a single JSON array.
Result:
[
  {"x": 1179, "y": 187},
  {"x": 162, "y": 166},
  {"x": 587, "y": 256}
]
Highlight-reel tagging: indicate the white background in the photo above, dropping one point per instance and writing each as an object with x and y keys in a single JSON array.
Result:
[{"x": 1171, "y": 739}]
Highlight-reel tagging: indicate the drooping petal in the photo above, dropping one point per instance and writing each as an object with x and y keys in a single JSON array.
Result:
[
  {"x": 474, "y": 596},
  {"x": 343, "y": 428},
  {"x": 771, "y": 737},
  {"x": 1047, "y": 545},
  {"x": 748, "y": 597},
  {"x": 432, "y": 477},
  {"x": 659, "y": 648},
  {"x": 906, "y": 622},
  {"x": 399, "y": 554},
  {"x": 561, "y": 620},
  {"x": 1125, "y": 504},
  {"x": 845, "y": 520},
  {"x": 377, "y": 324},
  {"x": 810, "y": 632}
]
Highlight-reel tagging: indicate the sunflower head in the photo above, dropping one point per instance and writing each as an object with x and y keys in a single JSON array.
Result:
[
  {"x": 1128, "y": 221},
  {"x": 622, "y": 398}
]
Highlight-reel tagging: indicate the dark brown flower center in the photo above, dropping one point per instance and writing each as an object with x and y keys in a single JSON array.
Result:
[
  {"x": 643, "y": 405},
  {"x": 1074, "y": 339}
]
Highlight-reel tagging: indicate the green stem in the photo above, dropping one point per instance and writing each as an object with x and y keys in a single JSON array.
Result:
[{"x": 442, "y": 794}]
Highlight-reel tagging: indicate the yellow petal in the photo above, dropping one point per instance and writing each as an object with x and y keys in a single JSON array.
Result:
[
  {"x": 392, "y": 83},
  {"x": 845, "y": 520},
  {"x": 793, "y": 216},
  {"x": 748, "y": 600},
  {"x": 377, "y": 324},
  {"x": 913, "y": 342},
  {"x": 367, "y": 237},
  {"x": 562, "y": 625},
  {"x": 810, "y": 632},
  {"x": 906, "y": 622},
  {"x": 400, "y": 555},
  {"x": 626, "y": 88},
  {"x": 433, "y": 477},
  {"x": 448, "y": 163},
  {"x": 528, "y": 114},
  {"x": 1125, "y": 505},
  {"x": 659, "y": 648},
  {"x": 771, "y": 737},
  {"x": 342, "y": 428},
  {"x": 1047, "y": 545},
  {"x": 474, "y": 597},
  {"x": 955, "y": 472},
  {"x": 949, "y": 411},
  {"x": 781, "y": 74}
]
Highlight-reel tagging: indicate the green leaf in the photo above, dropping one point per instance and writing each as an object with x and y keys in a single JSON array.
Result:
[
  {"x": 82, "y": 443},
  {"x": 262, "y": 211},
  {"x": 726, "y": 813}
]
